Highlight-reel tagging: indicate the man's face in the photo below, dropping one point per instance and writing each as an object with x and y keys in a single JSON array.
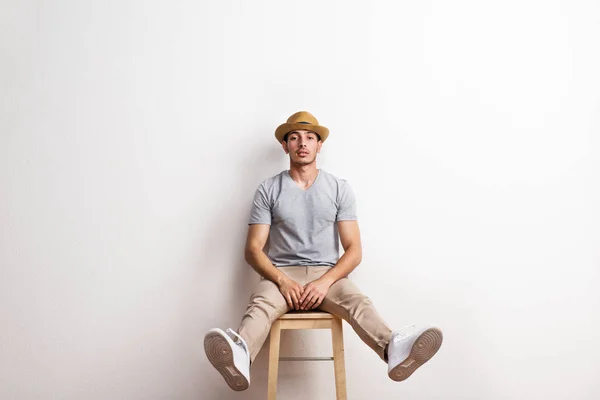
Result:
[{"x": 302, "y": 146}]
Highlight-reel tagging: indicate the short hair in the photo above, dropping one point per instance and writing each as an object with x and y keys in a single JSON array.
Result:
[{"x": 285, "y": 137}]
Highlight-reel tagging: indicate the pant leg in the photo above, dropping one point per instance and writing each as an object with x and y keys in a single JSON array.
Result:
[
  {"x": 265, "y": 306},
  {"x": 346, "y": 301}
]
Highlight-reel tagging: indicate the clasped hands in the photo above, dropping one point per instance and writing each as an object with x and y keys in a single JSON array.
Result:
[{"x": 305, "y": 297}]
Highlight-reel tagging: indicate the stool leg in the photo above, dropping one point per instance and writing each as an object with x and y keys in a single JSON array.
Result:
[
  {"x": 339, "y": 365},
  {"x": 273, "y": 360}
]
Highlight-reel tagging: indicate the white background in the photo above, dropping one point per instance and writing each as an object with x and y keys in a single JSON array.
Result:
[{"x": 134, "y": 133}]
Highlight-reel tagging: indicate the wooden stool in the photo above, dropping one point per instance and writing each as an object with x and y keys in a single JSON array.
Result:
[{"x": 308, "y": 320}]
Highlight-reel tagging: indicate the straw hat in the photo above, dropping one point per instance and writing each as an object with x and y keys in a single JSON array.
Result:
[{"x": 301, "y": 120}]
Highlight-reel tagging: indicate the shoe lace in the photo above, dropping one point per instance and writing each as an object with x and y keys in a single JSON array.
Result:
[
  {"x": 399, "y": 336},
  {"x": 240, "y": 342},
  {"x": 402, "y": 335}
]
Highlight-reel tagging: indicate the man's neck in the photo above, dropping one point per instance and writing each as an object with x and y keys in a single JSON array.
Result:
[{"x": 304, "y": 175}]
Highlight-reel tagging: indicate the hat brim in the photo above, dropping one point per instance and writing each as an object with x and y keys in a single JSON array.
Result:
[{"x": 286, "y": 128}]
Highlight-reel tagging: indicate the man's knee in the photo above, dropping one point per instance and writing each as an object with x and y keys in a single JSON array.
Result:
[
  {"x": 355, "y": 304},
  {"x": 271, "y": 306}
]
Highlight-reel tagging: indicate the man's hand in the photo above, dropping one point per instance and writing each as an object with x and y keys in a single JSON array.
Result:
[
  {"x": 292, "y": 292},
  {"x": 314, "y": 293}
]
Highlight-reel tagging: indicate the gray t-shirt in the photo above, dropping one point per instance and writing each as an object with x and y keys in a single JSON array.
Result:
[{"x": 303, "y": 222}]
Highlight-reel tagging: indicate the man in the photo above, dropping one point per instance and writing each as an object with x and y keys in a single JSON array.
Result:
[{"x": 304, "y": 213}]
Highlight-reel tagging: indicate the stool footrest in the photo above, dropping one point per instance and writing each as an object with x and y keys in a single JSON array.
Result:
[{"x": 305, "y": 358}]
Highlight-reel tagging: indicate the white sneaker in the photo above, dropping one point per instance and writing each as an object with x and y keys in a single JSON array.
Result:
[
  {"x": 231, "y": 359},
  {"x": 411, "y": 347}
]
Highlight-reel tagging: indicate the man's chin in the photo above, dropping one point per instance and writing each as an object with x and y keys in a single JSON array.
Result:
[{"x": 303, "y": 162}]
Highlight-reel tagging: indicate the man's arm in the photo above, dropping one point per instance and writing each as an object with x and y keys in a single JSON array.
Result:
[
  {"x": 350, "y": 238},
  {"x": 256, "y": 257},
  {"x": 315, "y": 291}
]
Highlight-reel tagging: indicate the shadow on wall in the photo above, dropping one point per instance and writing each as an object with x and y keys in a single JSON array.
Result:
[{"x": 227, "y": 227}]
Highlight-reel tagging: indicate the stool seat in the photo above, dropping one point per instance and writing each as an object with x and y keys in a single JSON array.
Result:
[
  {"x": 308, "y": 320},
  {"x": 307, "y": 315}
]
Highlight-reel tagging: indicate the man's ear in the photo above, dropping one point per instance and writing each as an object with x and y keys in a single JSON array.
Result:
[{"x": 284, "y": 145}]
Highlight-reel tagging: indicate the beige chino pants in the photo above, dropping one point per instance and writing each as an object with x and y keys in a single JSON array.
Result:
[{"x": 344, "y": 300}]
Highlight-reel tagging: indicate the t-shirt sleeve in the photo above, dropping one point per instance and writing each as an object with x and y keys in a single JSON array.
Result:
[
  {"x": 261, "y": 209},
  {"x": 346, "y": 203}
]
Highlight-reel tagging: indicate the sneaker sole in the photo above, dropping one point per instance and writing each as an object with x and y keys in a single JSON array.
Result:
[
  {"x": 220, "y": 355},
  {"x": 425, "y": 347}
]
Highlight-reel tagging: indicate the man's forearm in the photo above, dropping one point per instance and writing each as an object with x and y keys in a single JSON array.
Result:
[
  {"x": 346, "y": 264},
  {"x": 261, "y": 264}
]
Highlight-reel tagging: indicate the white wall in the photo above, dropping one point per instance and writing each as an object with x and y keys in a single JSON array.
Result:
[{"x": 133, "y": 135}]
